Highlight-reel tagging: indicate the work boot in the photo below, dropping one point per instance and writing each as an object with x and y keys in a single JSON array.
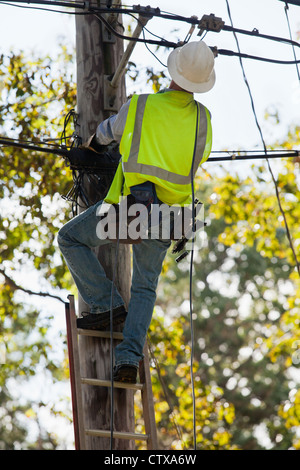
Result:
[
  {"x": 101, "y": 321},
  {"x": 125, "y": 373}
]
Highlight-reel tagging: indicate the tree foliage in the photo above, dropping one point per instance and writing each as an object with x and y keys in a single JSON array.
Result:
[
  {"x": 246, "y": 308},
  {"x": 35, "y": 95}
]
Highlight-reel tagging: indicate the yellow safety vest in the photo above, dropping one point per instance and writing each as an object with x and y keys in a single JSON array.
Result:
[{"x": 157, "y": 145}]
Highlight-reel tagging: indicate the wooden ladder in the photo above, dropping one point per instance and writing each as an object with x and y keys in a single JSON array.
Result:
[{"x": 76, "y": 380}]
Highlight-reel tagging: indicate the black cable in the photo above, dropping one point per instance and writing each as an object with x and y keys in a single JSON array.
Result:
[
  {"x": 129, "y": 38},
  {"x": 257, "y": 34},
  {"x": 165, "y": 392},
  {"x": 154, "y": 55},
  {"x": 88, "y": 9},
  {"x": 246, "y": 82},
  {"x": 293, "y": 2},
  {"x": 71, "y": 114},
  {"x": 54, "y": 150},
  {"x": 264, "y": 59},
  {"x": 144, "y": 27},
  {"x": 289, "y": 27},
  {"x": 191, "y": 279},
  {"x": 146, "y": 45},
  {"x": 289, "y": 237},
  {"x": 7, "y": 141},
  {"x": 234, "y": 157},
  {"x": 63, "y": 151},
  {"x": 44, "y": 9},
  {"x": 111, "y": 344}
]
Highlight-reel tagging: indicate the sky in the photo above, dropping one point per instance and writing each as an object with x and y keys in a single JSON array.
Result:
[{"x": 274, "y": 87}]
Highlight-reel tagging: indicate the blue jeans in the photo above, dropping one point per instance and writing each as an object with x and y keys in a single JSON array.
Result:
[{"x": 75, "y": 240}]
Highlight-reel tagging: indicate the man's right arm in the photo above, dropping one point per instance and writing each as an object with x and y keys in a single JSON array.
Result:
[
  {"x": 109, "y": 130},
  {"x": 112, "y": 128}
]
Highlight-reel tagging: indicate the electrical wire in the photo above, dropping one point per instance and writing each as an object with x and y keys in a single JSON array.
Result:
[
  {"x": 163, "y": 42},
  {"x": 111, "y": 344},
  {"x": 191, "y": 280},
  {"x": 135, "y": 39},
  {"x": 254, "y": 57},
  {"x": 235, "y": 157},
  {"x": 286, "y": 8},
  {"x": 146, "y": 45},
  {"x": 265, "y": 149},
  {"x": 154, "y": 55},
  {"x": 88, "y": 9},
  {"x": 165, "y": 392},
  {"x": 256, "y": 33},
  {"x": 70, "y": 115},
  {"x": 50, "y": 148},
  {"x": 76, "y": 13},
  {"x": 232, "y": 154}
]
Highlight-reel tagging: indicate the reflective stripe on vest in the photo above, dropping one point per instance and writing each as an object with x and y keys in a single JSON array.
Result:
[{"x": 132, "y": 165}]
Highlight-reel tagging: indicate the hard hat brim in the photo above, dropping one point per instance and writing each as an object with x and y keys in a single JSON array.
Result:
[{"x": 183, "y": 82}]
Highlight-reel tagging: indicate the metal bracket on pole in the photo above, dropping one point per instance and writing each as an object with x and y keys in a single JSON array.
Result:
[
  {"x": 107, "y": 36},
  {"x": 111, "y": 83},
  {"x": 111, "y": 18},
  {"x": 109, "y": 95}
]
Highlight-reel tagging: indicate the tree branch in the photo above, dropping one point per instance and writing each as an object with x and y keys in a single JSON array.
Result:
[{"x": 15, "y": 287}]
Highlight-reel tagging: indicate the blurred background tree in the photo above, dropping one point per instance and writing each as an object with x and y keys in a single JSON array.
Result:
[
  {"x": 246, "y": 308},
  {"x": 36, "y": 95}
]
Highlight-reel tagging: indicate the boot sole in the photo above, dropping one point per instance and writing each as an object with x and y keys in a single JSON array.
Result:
[{"x": 101, "y": 324}]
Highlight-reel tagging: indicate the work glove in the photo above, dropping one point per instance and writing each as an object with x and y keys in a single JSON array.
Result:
[{"x": 93, "y": 145}]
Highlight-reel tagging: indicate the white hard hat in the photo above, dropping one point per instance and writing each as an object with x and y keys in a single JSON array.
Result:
[{"x": 192, "y": 67}]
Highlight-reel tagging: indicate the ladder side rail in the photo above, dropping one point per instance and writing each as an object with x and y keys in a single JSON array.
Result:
[
  {"x": 147, "y": 401},
  {"x": 75, "y": 379}
]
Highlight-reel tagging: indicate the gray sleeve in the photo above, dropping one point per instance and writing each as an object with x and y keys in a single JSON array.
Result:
[{"x": 113, "y": 127}]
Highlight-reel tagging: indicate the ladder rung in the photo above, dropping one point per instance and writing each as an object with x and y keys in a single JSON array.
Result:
[
  {"x": 76, "y": 350},
  {"x": 99, "y": 334},
  {"x": 107, "y": 383},
  {"x": 117, "y": 435}
]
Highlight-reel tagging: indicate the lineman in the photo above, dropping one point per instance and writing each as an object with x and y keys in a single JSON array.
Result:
[{"x": 158, "y": 137}]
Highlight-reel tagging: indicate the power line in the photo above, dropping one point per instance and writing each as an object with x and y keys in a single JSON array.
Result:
[
  {"x": 293, "y": 2},
  {"x": 207, "y": 22},
  {"x": 232, "y": 155},
  {"x": 265, "y": 150},
  {"x": 289, "y": 27},
  {"x": 235, "y": 157},
  {"x": 263, "y": 59}
]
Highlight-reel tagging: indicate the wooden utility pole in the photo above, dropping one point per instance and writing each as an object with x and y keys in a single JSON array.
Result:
[{"x": 98, "y": 55}]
